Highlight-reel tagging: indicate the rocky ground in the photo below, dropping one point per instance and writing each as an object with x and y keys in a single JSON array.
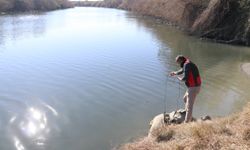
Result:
[{"x": 232, "y": 132}]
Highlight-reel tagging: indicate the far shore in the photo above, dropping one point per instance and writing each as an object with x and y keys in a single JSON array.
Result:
[{"x": 13, "y": 6}]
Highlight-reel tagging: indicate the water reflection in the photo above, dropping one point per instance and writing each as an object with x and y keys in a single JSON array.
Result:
[
  {"x": 34, "y": 124},
  {"x": 18, "y": 144},
  {"x": 14, "y": 27},
  {"x": 32, "y": 129}
]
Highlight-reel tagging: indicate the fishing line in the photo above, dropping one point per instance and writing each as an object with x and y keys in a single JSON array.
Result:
[
  {"x": 165, "y": 95},
  {"x": 179, "y": 95}
]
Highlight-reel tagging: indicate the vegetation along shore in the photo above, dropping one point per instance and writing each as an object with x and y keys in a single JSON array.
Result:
[{"x": 7, "y": 6}]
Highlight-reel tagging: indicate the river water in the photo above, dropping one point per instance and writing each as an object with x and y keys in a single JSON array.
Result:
[{"x": 93, "y": 78}]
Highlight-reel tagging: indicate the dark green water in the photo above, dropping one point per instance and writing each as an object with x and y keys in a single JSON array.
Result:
[{"x": 93, "y": 78}]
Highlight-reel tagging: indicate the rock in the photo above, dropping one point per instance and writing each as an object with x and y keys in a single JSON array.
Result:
[
  {"x": 161, "y": 120},
  {"x": 173, "y": 118},
  {"x": 156, "y": 123},
  {"x": 246, "y": 68},
  {"x": 206, "y": 118}
]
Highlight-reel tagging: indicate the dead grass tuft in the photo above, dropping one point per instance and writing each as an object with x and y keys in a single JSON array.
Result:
[
  {"x": 165, "y": 136},
  {"x": 246, "y": 134},
  {"x": 201, "y": 131}
]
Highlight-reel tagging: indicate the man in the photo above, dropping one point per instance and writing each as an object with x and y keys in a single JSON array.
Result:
[{"x": 192, "y": 80}]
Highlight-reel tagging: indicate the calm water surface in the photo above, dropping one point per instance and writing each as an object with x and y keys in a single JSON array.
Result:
[{"x": 92, "y": 78}]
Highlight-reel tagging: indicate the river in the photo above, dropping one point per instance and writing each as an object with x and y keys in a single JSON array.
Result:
[{"x": 93, "y": 78}]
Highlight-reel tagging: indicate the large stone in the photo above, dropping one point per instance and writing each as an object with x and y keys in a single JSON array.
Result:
[
  {"x": 173, "y": 118},
  {"x": 161, "y": 120},
  {"x": 246, "y": 68}
]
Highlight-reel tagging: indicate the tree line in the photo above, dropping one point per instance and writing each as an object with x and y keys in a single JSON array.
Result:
[
  {"x": 104, "y": 3},
  {"x": 29, "y": 5}
]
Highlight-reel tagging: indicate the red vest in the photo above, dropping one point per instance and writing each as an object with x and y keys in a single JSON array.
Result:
[{"x": 193, "y": 78}]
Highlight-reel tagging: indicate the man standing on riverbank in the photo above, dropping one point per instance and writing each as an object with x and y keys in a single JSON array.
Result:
[{"x": 192, "y": 80}]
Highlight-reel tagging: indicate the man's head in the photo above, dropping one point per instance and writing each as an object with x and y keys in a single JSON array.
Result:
[{"x": 180, "y": 59}]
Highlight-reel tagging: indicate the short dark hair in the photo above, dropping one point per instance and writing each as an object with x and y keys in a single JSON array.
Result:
[{"x": 180, "y": 57}]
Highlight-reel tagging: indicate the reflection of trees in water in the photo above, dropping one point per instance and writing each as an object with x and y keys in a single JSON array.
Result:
[
  {"x": 27, "y": 24},
  {"x": 218, "y": 63},
  {"x": 1, "y": 31},
  {"x": 14, "y": 27},
  {"x": 178, "y": 42}
]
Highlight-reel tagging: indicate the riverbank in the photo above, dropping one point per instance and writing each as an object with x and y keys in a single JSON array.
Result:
[
  {"x": 224, "y": 21},
  {"x": 232, "y": 132},
  {"x": 9, "y": 6}
]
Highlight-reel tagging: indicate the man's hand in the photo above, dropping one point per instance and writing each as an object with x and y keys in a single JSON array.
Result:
[
  {"x": 172, "y": 74},
  {"x": 180, "y": 78}
]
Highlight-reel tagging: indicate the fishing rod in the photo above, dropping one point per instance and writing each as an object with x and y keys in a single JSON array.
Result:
[{"x": 165, "y": 96}]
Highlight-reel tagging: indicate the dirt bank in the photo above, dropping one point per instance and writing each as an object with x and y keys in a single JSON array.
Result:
[{"x": 231, "y": 132}]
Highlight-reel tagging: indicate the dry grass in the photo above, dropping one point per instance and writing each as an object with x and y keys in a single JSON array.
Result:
[
  {"x": 180, "y": 12},
  {"x": 27, "y": 5},
  {"x": 231, "y": 132},
  {"x": 104, "y": 3}
]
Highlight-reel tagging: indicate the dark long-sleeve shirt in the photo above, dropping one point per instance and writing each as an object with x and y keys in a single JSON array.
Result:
[{"x": 191, "y": 74}]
